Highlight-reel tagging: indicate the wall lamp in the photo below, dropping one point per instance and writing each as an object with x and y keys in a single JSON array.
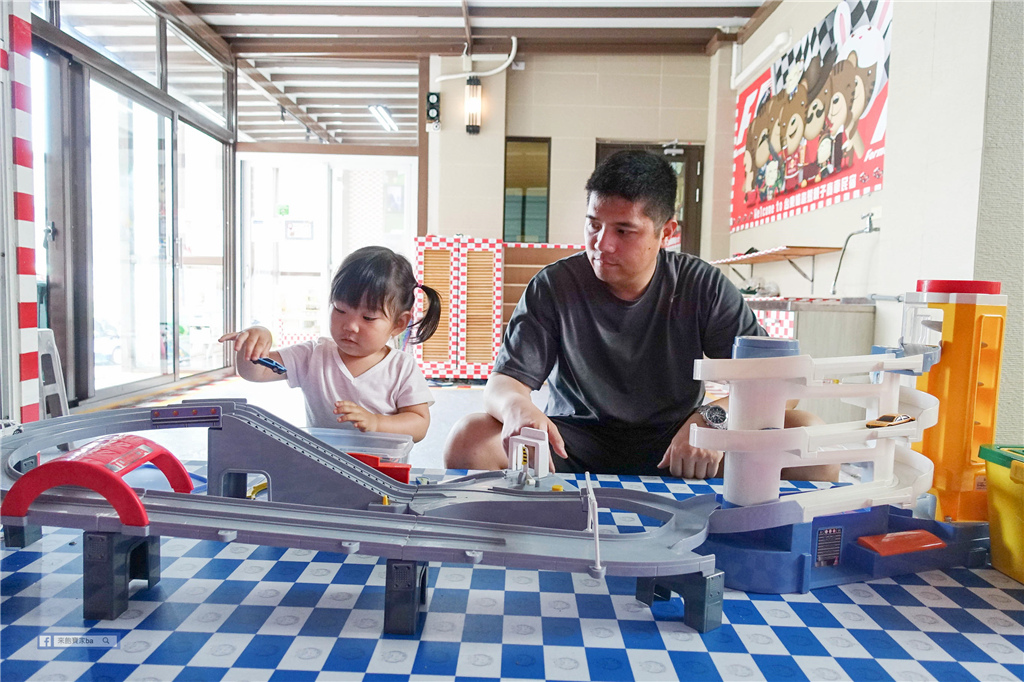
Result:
[
  {"x": 474, "y": 95},
  {"x": 383, "y": 116}
]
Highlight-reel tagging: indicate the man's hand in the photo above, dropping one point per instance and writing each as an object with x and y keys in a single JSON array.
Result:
[
  {"x": 508, "y": 401},
  {"x": 361, "y": 418},
  {"x": 685, "y": 461},
  {"x": 523, "y": 416}
]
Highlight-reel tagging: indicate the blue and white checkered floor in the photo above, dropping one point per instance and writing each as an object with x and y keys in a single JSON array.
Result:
[{"x": 250, "y": 613}]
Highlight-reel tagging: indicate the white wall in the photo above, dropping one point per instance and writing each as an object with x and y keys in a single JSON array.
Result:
[
  {"x": 928, "y": 208},
  {"x": 718, "y": 161},
  {"x": 952, "y": 206},
  {"x": 999, "y": 254},
  {"x": 575, "y": 101},
  {"x": 466, "y": 190}
]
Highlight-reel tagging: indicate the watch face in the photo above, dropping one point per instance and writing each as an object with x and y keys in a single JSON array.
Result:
[{"x": 714, "y": 414}]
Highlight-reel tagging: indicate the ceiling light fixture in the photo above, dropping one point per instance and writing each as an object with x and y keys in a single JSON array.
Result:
[
  {"x": 474, "y": 97},
  {"x": 383, "y": 116}
]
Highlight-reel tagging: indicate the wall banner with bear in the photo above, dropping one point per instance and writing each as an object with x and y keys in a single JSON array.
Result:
[{"x": 810, "y": 131}]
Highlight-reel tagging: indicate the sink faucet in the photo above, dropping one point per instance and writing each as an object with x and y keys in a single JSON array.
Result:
[{"x": 867, "y": 229}]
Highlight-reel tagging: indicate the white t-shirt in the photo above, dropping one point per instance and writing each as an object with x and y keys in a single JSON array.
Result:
[{"x": 316, "y": 368}]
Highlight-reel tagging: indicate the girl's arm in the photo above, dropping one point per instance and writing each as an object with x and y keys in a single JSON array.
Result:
[
  {"x": 252, "y": 344},
  {"x": 412, "y": 420}
]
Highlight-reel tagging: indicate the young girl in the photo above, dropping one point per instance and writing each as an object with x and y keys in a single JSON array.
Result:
[{"x": 354, "y": 376}]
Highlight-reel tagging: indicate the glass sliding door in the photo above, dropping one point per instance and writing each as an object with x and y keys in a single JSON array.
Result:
[
  {"x": 132, "y": 199},
  {"x": 200, "y": 241},
  {"x": 131, "y": 273}
]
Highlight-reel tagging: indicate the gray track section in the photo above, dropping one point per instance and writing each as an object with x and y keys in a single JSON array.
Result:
[
  {"x": 401, "y": 536},
  {"x": 479, "y": 518}
]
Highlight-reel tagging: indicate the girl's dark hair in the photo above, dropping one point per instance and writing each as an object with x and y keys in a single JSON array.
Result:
[{"x": 379, "y": 279}]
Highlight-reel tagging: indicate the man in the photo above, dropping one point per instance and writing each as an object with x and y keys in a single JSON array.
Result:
[{"x": 615, "y": 332}]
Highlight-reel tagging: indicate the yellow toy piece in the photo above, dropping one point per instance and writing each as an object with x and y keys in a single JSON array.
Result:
[
  {"x": 972, "y": 317},
  {"x": 1005, "y": 467}
]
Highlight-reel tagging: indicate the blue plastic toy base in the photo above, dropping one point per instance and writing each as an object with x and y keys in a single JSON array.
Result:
[{"x": 824, "y": 551}]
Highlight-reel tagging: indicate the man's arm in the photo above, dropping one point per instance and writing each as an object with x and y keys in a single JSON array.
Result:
[
  {"x": 508, "y": 401},
  {"x": 686, "y": 461}
]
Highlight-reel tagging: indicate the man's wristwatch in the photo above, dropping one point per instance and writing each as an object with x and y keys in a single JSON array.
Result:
[{"x": 715, "y": 416}]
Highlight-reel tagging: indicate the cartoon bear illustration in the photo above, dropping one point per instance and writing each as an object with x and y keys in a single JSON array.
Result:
[
  {"x": 794, "y": 146},
  {"x": 851, "y": 87},
  {"x": 749, "y": 195},
  {"x": 816, "y": 77},
  {"x": 775, "y": 106}
]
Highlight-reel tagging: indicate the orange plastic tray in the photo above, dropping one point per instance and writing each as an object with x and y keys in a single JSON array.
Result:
[{"x": 902, "y": 542}]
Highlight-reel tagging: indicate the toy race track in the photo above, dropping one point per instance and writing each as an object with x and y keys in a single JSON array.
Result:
[
  {"x": 773, "y": 544},
  {"x": 321, "y": 498}
]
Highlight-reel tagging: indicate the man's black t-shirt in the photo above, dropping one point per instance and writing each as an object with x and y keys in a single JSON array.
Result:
[{"x": 623, "y": 364}]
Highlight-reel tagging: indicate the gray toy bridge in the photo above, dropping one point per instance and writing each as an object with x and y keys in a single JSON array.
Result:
[{"x": 321, "y": 498}]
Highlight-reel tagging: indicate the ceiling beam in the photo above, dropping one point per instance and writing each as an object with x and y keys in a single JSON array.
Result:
[
  {"x": 738, "y": 9},
  {"x": 362, "y": 32},
  {"x": 663, "y": 35},
  {"x": 305, "y": 148},
  {"x": 328, "y": 101},
  {"x": 404, "y": 50},
  {"x": 360, "y": 35},
  {"x": 178, "y": 13},
  {"x": 718, "y": 41},
  {"x": 340, "y": 78},
  {"x": 299, "y": 8},
  {"x": 315, "y": 110},
  {"x": 758, "y": 18},
  {"x": 615, "y": 12},
  {"x": 625, "y": 41},
  {"x": 301, "y": 64},
  {"x": 611, "y": 48},
  {"x": 263, "y": 84},
  {"x": 404, "y": 88}
]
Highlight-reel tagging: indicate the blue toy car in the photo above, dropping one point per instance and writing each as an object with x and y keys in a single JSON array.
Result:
[{"x": 275, "y": 367}]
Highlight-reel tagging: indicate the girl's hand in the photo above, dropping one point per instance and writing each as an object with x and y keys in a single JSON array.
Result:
[
  {"x": 250, "y": 344},
  {"x": 361, "y": 418}
]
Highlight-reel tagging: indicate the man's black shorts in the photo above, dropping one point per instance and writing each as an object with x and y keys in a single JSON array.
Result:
[{"x": 603, "y": 449}]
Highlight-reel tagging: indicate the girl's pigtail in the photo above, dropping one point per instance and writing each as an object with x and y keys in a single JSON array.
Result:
[{"x": 427, "y": 325}]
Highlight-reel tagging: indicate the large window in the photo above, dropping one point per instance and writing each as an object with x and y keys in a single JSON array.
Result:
[
  {"x": 118, "y": 29},
  {"x": 300, "y": 216},
  {"x": 195, "y": 79},
  {"x": 201, "y": 252},
  {"x": 132, "y": 180},
  {"x": 527, "y": 172},
  {"x": 130, "y": 256}
]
